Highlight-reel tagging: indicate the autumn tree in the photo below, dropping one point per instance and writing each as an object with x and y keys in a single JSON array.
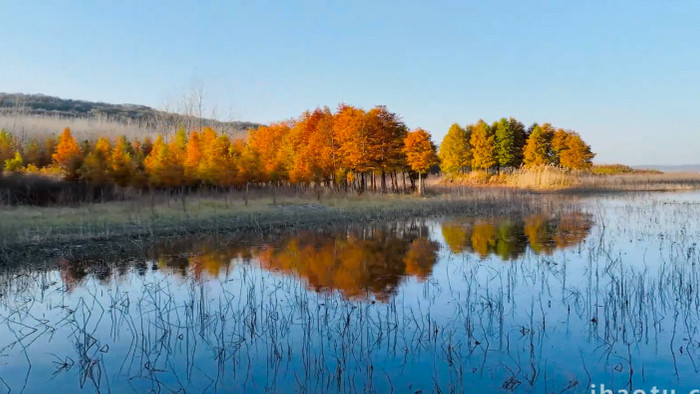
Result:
[
  {"x": 68, "y": 156},
  {"x": 483, "y": 146},
  {"x": 557, "y": 145},
  {"x": 420, "y": 154},
  {"x": 162, "y": 165},
  {"x": 538, "y": 149},
  {"x": 37, "y": 155},
  {"x": 8, "y": 146},
  {"x": 193, "y": 155},
  {"x": 353, "y": 139},
  {"x": 122, "y": 168},
  {"x": 455, "y": 153},
  {"x": 146, "y": 146},
  {"x": 576, "y": 154},
  {"x": 322, "y": 146},
  {"x": 247, "y": 162},
  {"x": 305, "y": 159},
  {"x": 216, "y": 166},
  {"x": 14, "y": 164},
  {"x": 95, "y": 166},
  {"x": 386, "y": 137},
  {"x": 270, "y": 143}
]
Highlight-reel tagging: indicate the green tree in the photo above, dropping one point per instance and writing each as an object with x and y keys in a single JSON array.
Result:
[
  {"x": 455, "y": 155},
  {"x": 510, "y": 140}
]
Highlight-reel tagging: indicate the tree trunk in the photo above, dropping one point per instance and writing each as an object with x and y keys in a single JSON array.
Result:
[
  {"x": 383, "y": 182},
  {"x": 420, "y": 184}
]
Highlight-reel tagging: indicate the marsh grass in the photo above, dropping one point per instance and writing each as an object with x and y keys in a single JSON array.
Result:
[{"x": 549, "y": 178}]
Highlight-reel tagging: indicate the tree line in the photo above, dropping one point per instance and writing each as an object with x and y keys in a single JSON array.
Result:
[
  {"x": 508, "y": 144},
  {"x": 351, "y": 149}
]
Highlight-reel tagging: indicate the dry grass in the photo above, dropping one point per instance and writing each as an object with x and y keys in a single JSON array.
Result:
[
  {"x": 539, "y": 178},
  {"x": 542, "y": 178},
  {"x": 548, "y": 178},
  {"x": 29, "y": 126},
  {"x": 42, "y": 126},
  {"x": 640, "y": 182}
]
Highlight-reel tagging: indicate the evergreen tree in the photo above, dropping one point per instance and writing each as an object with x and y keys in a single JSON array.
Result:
[{"x": 506, "y": 147}]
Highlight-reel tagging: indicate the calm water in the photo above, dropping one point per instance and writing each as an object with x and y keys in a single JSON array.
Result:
[{"x": 605, "y": 292}]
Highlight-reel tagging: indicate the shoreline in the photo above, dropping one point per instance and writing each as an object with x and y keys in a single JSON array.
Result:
[
  {"x": 64, "y": 230},
  {"x": 25, "y": 230}
]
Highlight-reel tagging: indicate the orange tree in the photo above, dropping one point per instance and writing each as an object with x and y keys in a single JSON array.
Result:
[
  {"x": 68, "y": 156},
  {"x": 420, "y": 154}
]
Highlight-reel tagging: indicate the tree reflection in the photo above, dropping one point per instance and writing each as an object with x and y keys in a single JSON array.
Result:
[
  {"x": 358, "y": 262},
  {"x": 509, "y": 238}
]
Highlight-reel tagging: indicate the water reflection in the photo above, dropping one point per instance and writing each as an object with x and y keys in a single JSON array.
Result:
[
  {"x": 358, "y": 262},
  {"x": 292, "y": 314},
  {"x": 509, "y": 238}
]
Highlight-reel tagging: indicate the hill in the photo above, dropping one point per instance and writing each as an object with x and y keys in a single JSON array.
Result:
[{"x": 32, "y": 114}]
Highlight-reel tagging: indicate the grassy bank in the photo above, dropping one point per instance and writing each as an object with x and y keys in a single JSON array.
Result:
[{"x": 145, "y": 219}]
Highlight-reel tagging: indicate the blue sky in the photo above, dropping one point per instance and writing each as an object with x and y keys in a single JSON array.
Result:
[{"x": 624, "y": 74}]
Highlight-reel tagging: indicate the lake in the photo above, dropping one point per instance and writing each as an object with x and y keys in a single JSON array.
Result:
[{"x": 603, "y": 291}]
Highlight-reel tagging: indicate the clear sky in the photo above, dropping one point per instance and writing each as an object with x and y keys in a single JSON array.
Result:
[{"x": 624, "y": 74}]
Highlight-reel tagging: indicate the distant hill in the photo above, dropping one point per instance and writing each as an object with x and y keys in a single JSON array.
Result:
[
  {"x": 17, "y": 105},
  {"x": 667, "y": 168}
]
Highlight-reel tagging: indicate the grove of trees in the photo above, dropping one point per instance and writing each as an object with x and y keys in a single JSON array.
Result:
[
  {"x": 351, "y": 149},
  {"x": 507, "y": 144}
]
